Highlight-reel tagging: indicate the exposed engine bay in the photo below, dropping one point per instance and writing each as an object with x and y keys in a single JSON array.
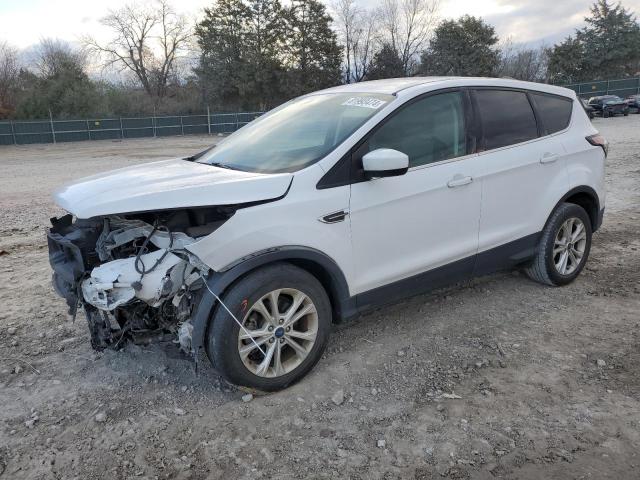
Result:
[{"x": 132, "y": 274}]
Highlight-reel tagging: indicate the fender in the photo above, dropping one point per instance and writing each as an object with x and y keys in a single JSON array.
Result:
[{"x": 344, "y": 305}]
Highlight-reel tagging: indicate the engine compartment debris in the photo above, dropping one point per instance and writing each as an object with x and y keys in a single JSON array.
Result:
[{"x": 131, "y": 274}]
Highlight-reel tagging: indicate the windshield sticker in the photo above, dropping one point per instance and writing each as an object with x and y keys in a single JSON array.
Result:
[{"x": 366, "y": 102}]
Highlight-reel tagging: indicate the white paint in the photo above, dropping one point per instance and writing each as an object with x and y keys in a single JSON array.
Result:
[
  {"x": 397, "y": 226},
  {"x": 384, "y": 159},
  {"x": 166, "y": 184}
]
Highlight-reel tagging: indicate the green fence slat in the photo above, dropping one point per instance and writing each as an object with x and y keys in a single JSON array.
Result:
[
  {"x": 75, "y": 130},
  {"x": 621, "y": 87}
]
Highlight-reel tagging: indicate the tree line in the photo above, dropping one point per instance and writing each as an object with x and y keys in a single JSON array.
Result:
[{"x": 256, "y": 54}]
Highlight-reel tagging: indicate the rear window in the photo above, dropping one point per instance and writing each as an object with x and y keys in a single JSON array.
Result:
[
  {"x": 554, "y": 111},
  {"x": 507, "y": 117}
]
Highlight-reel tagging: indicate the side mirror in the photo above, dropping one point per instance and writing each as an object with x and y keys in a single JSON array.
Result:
[{"x": 385, "y": 162}]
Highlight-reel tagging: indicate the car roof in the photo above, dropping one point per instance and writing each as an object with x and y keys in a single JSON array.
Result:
[
  {"x": 395, "y": 86},
  {"x": 389, "y": 86}
]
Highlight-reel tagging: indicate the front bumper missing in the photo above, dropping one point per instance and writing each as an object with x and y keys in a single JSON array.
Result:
[{"x": 66, "y": 260}]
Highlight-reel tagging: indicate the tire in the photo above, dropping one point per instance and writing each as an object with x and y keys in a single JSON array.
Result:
[
  {"x": 100, "y": 330},
  {"x": 543, "y": 268},
  {"x": 626, "y": 114},
  {"x": 605, "y": 114},
  {"x": 250, "y": 301}
]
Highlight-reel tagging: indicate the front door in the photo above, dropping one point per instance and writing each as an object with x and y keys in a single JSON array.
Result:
[{"x": 405, "y": 226}]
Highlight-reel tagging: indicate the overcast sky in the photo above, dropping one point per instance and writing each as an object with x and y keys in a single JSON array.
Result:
[{"x": 24, "y": 22}]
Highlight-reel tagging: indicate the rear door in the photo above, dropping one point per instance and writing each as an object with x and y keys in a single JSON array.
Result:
[{"x": 524, "y": 173}]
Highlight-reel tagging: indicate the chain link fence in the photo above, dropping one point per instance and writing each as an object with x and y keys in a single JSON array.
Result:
[
  {"x": 54, "y": 131},
  {"x": 622, "y": 87}
]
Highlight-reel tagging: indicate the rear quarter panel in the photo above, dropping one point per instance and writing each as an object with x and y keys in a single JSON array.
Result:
[{"x": 585, "y": 162}]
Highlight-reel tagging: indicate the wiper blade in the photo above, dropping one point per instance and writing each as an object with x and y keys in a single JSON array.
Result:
[
  {"x": 221, "y": 165},
  {"x": 198, "y": 155}
]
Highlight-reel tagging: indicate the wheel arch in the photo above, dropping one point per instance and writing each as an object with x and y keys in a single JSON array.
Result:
[
  {"x": 318, "y": 264},
  {"x": 587, "y": 198}
]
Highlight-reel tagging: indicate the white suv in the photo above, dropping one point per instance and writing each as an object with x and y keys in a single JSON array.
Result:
[{"x": 332, "y": 204}]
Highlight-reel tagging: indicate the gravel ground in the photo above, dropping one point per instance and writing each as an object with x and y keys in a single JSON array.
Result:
[{"x": 498, "y": 377}]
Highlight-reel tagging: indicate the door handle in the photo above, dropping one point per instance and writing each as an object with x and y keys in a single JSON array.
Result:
[
  {"x": 459, "y": 181},
  {"x": 549, "y": 157}
]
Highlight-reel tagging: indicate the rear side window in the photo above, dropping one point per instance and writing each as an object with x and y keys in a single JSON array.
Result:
[
  {"x": 507, "y": 117},
  {"x": 554, "y": 111}
]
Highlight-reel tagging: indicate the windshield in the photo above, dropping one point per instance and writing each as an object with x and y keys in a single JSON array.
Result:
[{"x": 297, "y": 134}]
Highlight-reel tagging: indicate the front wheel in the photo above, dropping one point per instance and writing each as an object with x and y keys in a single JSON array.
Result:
[
  {"x": 286, "y": 318},
  {"x": 564, "y": 246}
]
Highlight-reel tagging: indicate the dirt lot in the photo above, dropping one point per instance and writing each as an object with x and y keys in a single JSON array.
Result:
[{"x": 496, "y": 378}]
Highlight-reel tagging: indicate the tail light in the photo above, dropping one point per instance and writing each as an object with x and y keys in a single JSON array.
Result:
[{"x": 598, "y": 140}]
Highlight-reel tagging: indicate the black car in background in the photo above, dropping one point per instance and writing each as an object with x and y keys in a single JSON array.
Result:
[
  {"x": 609, "y": 105},
  {"x": 588, "y": 108},
  {"x": 634, "y": 102}
]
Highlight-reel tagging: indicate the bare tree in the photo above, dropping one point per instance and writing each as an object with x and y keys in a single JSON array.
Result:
[
  {"x": 523, "y": 63},
  {"x": 345, "y": 15},
  {"x": 9, "y": 73},
  {"x": 364, "y": 45},
  {"x": 406, "y": 26},
  {"x": 53, "y": 56},
  {"x": 147, "y": 41},
  {"x": 356, "y": 29}
]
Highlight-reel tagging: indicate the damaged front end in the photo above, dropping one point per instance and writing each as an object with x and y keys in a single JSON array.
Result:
[{"x": 132, "y": 274}]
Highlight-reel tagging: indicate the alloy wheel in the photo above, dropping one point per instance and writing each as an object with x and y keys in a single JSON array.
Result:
[
  {"x": 569, "y": 246},
  {"x": 279, "y": 331}
]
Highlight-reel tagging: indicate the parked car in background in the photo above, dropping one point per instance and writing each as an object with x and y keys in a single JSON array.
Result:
[
  {"x": 633, "y": 101},
  {"x": 331, "y": 205},
  {"x": 609, "y": 105},
  {"x": 588, "y": 108}
]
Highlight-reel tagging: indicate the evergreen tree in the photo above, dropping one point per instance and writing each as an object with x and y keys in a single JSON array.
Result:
[
  {"x": 464, "y": 47},
  {"x": 313, "y": 54},
  {"x": 265, "y": 40},
  {"x": 257, "y": 54},
  {"x": 611, "y": 41},
  {"x": 223, "y": 67},
  {"x": 386, "y": 64},
  {"x": 607, "y": 47},
  {"x": 567, "y": 62}
]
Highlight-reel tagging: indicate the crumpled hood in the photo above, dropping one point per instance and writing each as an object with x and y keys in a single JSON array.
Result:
[{"x": 167, "y": 184}]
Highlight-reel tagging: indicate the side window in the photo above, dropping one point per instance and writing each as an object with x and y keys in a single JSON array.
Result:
[
  {"x": 428, "y": 130},
  {"x": 507, "y": 117},
  {"x": 554, "y": 111}
]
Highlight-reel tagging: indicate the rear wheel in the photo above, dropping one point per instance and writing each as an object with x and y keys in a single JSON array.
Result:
[
  {"x": 286, "y": 317},
  {"x": 564, "y": 246}
]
